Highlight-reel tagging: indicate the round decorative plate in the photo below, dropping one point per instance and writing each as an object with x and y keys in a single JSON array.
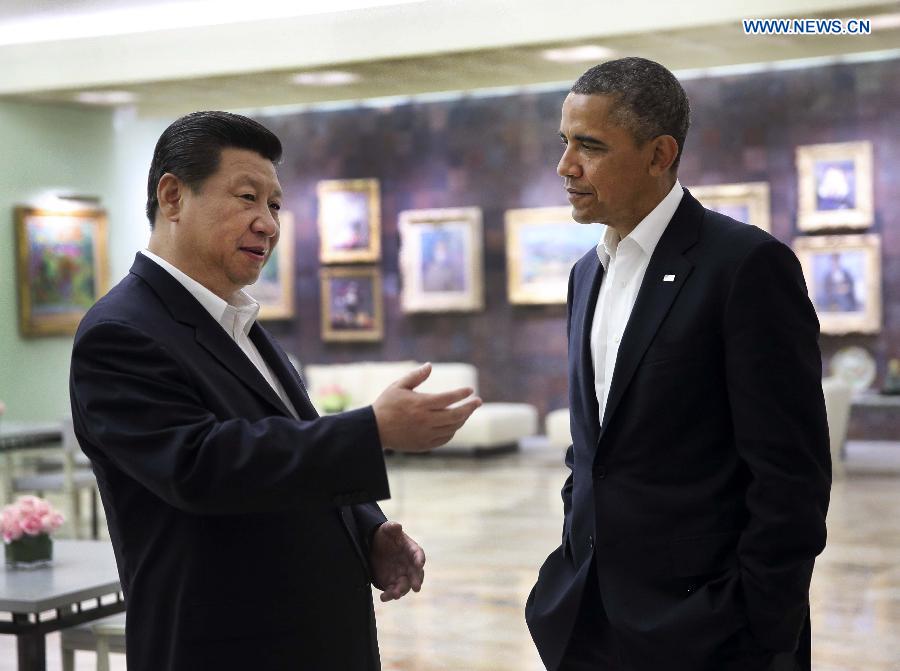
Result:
[{"x": 855, "y": 366}]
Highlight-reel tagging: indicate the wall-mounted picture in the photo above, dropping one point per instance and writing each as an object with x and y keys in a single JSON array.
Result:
[
  {"x": 835, "y": 186},
  {"x": 274, "y": 290},
  {"x": 349, "y": 221},
  {"x": 747, "y": 202},
  {"x": 351, "y": 304},
  {"x": 843, "y": 277},
  {"x": 441, "y": 260},
  {"x": 542, "y": 245},
  {"x": 62, "y": 267}
]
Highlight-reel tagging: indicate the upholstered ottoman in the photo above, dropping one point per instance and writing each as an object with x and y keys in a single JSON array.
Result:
[{"x": 556, "y": 424}]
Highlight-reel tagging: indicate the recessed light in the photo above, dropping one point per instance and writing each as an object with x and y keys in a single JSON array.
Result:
[
  {"x": 583, "y": 53},
  {"x": 326, "y": 78},
  {"x": 106, "y": 97}
]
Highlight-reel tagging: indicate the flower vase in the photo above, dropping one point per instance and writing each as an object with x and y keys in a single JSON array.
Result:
[{"x": 29, "y": 552}]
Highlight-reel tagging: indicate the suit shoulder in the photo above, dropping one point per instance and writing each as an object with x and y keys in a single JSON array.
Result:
[
  {"x": 733, "y": 240},
  {"x": 127, "y": 303}
]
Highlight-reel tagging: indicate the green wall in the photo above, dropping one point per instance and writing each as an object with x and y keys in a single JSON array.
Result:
[{"x": 44, "y": 150}]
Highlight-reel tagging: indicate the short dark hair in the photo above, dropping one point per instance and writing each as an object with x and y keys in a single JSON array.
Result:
[
  {"x": 648, "y": 99},
  {"x": 191, "y": 147}
]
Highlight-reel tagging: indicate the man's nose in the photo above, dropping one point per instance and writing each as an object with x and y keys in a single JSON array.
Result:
[
  {"x": 267, "y": 224},
  {"x": 567, "y": 167}
]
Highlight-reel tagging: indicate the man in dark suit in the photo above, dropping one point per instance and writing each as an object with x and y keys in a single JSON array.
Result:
[
  {"x": 700, "y": 462},
  {"x": 244, "y": 525}
]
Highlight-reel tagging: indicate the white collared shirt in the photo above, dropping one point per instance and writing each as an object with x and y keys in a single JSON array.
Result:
[
  {"x": 624, "y": 262},
  {"x": 237, "y": 318}
]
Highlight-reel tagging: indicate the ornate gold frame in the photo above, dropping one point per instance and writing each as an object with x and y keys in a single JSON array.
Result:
[{"x": 327, "y": 252}]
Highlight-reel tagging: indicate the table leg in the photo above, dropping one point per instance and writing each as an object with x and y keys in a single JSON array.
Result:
[{"x": 32, "y": 648}]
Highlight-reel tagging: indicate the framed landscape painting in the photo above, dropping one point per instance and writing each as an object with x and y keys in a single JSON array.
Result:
[
  {"x": 62, "y": 267},
  {"x": 351, "y": 304},
  {"x": 349, "y": 221},
  {"x": 274, "y": 290},
  {"x": 843, "y": 277},
  {"x": 835, "y": 186},
  {"x": 747, "y": 202},
  {"x": 441, "y": 260},
  {"x": 542, "y": 245}
]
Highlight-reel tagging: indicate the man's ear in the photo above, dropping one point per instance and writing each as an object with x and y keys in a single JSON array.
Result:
[
  {"x": 665, "y": 151},
  {"x": 169, "y": 193}
]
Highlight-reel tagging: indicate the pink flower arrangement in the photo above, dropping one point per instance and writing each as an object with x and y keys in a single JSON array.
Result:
[{"x": 29, "y": 515}]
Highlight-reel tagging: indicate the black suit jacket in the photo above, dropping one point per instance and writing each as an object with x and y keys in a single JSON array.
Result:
[
  {"x": 699, "y": 505},
  {"x": 240, "y": 533}
]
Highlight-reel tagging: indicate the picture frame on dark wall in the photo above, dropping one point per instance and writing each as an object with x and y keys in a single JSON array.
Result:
[
  {"x": 349, "y": 220},
  {"x": 352, "y": 305},
  {"x": 274, "y": 289},
  {"x": 62, "y": 267},
  {"x": 747, "y": 202},
  {"x": 441, "y": 260},
  {"x": 835, "y": 186},
  {"x": 843, "y": 277},
  {"x": 542, "y": 245}
]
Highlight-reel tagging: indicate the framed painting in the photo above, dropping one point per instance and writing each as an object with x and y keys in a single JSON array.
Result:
[
  {"x": 62, "y": 267},
  {"x": 441, "y": 260},
  {"x": 835, "y": 186},
  {"x": 351, "y": 304},
  {"x": 274, "y": 290},
  {"x": 349, "y": 221},
  {"x": 542, "y": 245},
  {"x": 843, "y": 277},
  {"x": 747, "y": 202}
]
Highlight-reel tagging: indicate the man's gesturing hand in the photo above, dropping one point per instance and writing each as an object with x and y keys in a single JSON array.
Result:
[
  {"x": 409, "y": 421},
  {"x": 397, "y": 562}
]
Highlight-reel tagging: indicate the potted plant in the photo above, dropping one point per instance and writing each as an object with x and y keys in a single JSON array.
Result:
[{"x": 26, "y": 526}]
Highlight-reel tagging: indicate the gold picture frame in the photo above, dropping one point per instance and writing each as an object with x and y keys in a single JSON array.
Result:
[
  {"x": 441, "y": 260},
  {"x": 843, "y": 277},
  {"x": 349, "y": 220},
  {"x": 62, "y": 267},
  {"x": 747, "y": 202},
  {"x": 542, "y": 245},
  {"x": 274, "y": 289},
  {"x": 352, "y": 305},
  {"x": 835, "y": 186}
]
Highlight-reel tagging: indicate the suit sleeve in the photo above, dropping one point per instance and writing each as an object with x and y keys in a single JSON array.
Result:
[
  {"x": 774, "y": 371},
  {"x": 566, "y": 492},
  {"x": 135, "y": 405}
]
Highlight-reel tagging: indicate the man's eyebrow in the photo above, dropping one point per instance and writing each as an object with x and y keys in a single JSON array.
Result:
[
  {"x": 255, "y": 182},
  {"x": 588, "y": 139}
]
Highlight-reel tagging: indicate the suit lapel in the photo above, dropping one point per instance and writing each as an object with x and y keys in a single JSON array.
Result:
[
  {"x": 208, "y": 333},
  {"x": 284, "y": 370},
  {"x": 582, "y": 319},
  {"x": 655, "y": 296}
]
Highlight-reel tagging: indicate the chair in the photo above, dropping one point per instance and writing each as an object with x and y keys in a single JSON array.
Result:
[
  {"x": 101, "y": 636},
  {"x": 75, "y": 475},
  {"x": 838, "y": 399}
]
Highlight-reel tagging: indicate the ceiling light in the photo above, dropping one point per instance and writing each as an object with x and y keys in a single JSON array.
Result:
[
  {"x": 326, "y": 78},
  {"x": 580, "y": 54},
  {"x": 106, "y": 97}
]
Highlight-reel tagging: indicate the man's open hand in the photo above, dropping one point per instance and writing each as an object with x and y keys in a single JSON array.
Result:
[{"x": 397, "y": 562}]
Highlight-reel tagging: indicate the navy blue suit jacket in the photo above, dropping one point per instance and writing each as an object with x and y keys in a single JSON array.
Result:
[
  {"x": 240, "y": 533},
  {"x": 699, "y": 505}
]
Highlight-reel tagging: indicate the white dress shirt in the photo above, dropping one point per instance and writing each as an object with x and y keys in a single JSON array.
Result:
[
  {"x": 625, "y": 261},
  {"x": 236, "y": 318}
]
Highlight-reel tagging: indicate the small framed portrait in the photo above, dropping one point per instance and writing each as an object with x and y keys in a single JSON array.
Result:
[
  {"x": 349, "y": 221},
  {"x": 441, "y": 260},
  {"x": 63, "y": 267},
  {"x": 843, "y": 277},
  {"x": 747, "y": 202},
  {"x": 274, "y": 290},
  {"x": 835, "y": 186},
  {"x": 542, "y": 245},
  {"x": 351, "y": 304}
]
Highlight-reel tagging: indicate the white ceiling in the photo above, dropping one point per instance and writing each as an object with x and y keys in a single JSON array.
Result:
[{"x": 202, "y": 54}]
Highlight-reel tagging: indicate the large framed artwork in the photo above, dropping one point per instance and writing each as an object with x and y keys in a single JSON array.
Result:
[
  {"x": 62, "y": 267},
  {"x": 747, "y": 202},
  {"x": 441, "y": 260},
  {"x": 542, "y": 245},
  {"x": 274, "y": 290},
  {"x": 351, "y": 304},
  {"x": 843, "y": 277},
  {"x": 835, "y": 186},
  {"x": 349, "y": 221}
]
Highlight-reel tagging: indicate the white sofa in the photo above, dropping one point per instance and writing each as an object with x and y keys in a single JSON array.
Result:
[
  {"x": 838, "y": 397},
  {"x": 494, "y": 427}
]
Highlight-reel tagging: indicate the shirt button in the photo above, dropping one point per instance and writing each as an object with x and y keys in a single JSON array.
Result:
[
  {"x": 622, "y": 284},
  {"x": 590, "y": 542}
]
